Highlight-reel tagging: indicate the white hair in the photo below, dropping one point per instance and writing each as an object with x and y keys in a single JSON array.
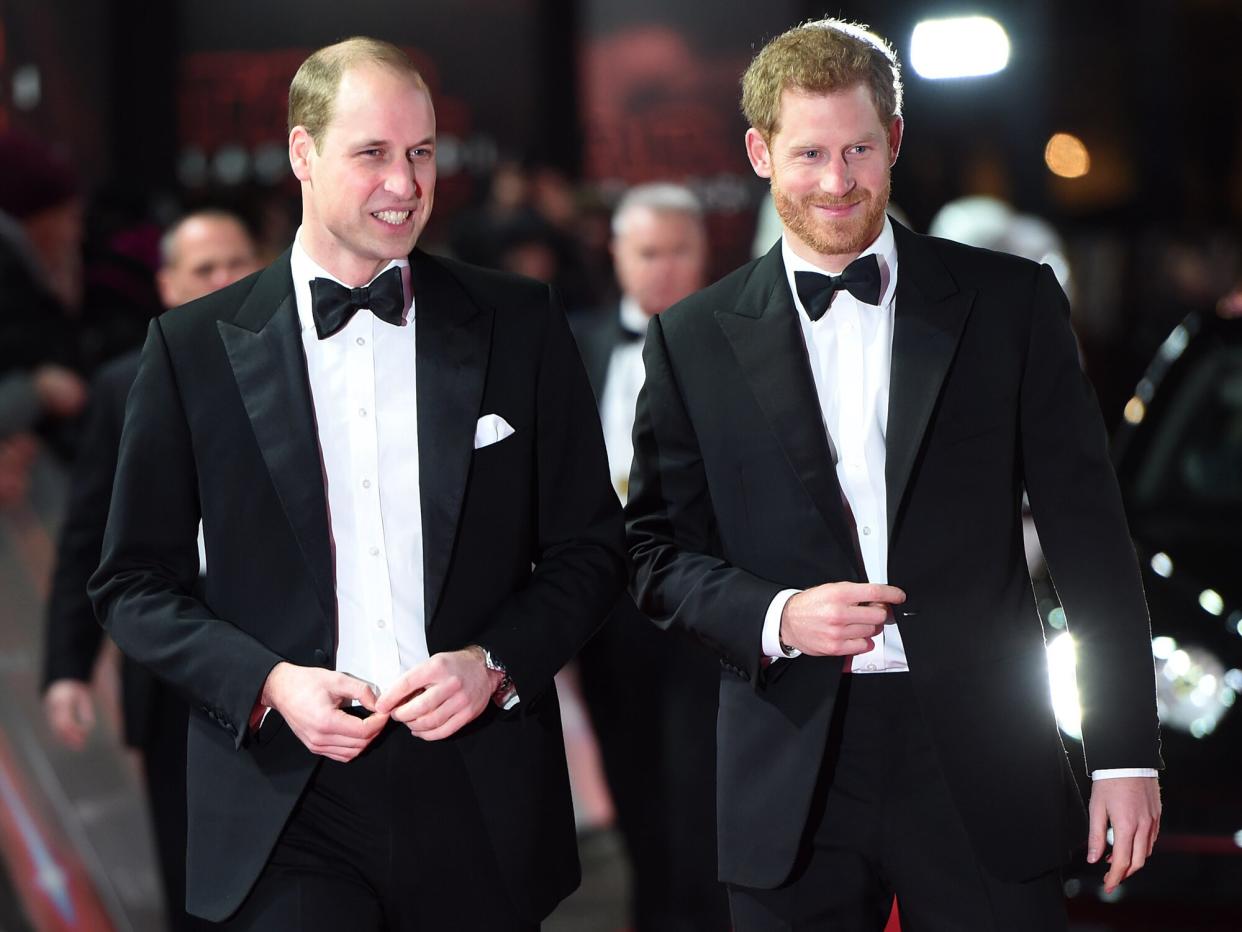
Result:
[{"x": 659, "y": 196}]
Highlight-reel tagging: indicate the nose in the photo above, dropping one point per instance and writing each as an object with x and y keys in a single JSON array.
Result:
[
  {"x": 836, "y": 180},
  {"x": 400, "y": 182}
]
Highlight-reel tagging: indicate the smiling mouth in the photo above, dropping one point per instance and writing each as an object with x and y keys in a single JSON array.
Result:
[{"x": 392, "y": 217}]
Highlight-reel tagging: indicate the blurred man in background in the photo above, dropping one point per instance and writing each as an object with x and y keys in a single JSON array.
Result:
[
  {"x": 199, "y": 254},
  {"x": 652, "y": 695}
]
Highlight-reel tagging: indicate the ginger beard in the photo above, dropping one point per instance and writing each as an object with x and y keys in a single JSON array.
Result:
[{"x": 833, "y": 236}]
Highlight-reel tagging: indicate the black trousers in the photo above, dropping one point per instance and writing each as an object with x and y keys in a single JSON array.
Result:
[
  {"x": 392, "y": 841},
  {"x": 883, "y": 824},
  {"x": 652, "y": 698}
]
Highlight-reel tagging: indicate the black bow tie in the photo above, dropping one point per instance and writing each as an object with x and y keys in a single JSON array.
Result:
[
  {"x": 861, "y": 278},
  {"x": 332, "y": 304}
]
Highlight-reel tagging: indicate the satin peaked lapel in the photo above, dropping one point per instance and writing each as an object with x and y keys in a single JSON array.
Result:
[
  {"x": 766, "y": 338},
  {"x": 929, "y": 314},
  {"x": 264, "y": 346},
  {"x": 453, "y": 341}
]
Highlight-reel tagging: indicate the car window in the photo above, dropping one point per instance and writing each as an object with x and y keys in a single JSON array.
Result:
[{"x": 1196, "y": 450}]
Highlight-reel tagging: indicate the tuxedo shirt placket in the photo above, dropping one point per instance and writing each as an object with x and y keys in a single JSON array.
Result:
[
  {"x": 622, "y": 384},
  {"x": 364, "y": 393},
  {"x": 850, "y": 351}
]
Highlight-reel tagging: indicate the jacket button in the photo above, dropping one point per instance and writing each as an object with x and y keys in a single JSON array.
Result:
[{"x": 321, "y": 656}]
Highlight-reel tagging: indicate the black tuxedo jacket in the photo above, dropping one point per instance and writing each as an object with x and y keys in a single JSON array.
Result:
[
  {"x": 522, "y": 542},
  {"x": 73, "y": 637},
  {"x": 734, "y": 497}
]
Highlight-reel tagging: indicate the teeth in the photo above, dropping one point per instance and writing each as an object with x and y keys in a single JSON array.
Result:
[{"x": 392, "y": 216}]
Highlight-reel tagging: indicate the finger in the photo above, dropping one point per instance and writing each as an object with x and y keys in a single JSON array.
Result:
[
  {"x": 84, "y": 712},
  {"x": 877, "y": 592},
  {"x": 410, "y": 682},
  {"x": 345, "y": 686},
  {"x": 349, "y": 729},
  {"x": 1138, "y": 853},
  {"x": 1119, "y": 863},
  {"x": 870, "y": 615},
  {"x": 1097, "y": 832},
  {"x": 454, "y": 724},
  {"x": 434, "y": 719},
  {"x": 858, "y": 646},
  {"x": 423, "y": 704}
]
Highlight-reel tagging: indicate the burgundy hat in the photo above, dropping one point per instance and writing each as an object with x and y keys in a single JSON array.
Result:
[{"x": 33, "y": 175}]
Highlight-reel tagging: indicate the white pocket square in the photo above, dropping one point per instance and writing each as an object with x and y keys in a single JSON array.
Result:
[{"x": 492, "y": 428}]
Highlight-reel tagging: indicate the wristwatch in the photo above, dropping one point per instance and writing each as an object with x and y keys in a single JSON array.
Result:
[{"x": 505, "y": 695}]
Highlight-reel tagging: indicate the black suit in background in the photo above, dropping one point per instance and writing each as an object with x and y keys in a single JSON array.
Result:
[
  {"x": 153, "y": 716},
  {"x": 652, "y": 699},
  {"x": 734, "y": 497},
  {"x": 522, "y": 555}
]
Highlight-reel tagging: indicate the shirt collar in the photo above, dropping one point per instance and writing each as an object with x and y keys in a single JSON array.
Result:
[
  {"x": 303, "y": 269},
  {"x": 883, "y": 246},
  {"x": 632, "y": 316}
]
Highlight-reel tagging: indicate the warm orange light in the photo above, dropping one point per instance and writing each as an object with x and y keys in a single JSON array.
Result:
[{"x": 1065, "y": 155}]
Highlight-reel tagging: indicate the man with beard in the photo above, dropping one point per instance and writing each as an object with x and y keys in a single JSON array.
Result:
[{"x": 830, "y": 454}]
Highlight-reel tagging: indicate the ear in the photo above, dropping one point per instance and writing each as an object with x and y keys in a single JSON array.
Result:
[
  {"x": 163, "y": 284},
  {"x": 895, "y": 132},
  {"x": 758, "y": 152},
  {"x": 301, "y": 148}
]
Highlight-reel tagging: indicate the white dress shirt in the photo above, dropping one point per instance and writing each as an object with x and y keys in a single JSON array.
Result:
[
  {"x": 365, "y": 398},
  {"x": 622, "y": 383},
  {"x": 851, "y": 349}
]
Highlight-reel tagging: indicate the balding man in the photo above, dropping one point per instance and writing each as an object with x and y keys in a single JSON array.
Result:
[
  {"x": 652, "y": 695},
  {"x": 202, "y": 252}
]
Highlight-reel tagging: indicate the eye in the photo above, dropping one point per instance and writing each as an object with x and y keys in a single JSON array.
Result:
[
  {"x": 421, "y": 153},
  {"x": 811, "y": 154},
  {"x": 372, "y": 153}
]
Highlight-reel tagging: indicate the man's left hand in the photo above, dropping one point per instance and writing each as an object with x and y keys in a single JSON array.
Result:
[
  {"x": 1131, "y": 806},
  {"x": 442, "y": 694}
]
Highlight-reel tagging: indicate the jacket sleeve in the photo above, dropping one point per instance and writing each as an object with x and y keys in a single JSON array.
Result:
[
  {"x": 1076, "y": 504},
  {"x": 142, "y": 591},
  {"x": 680, "y": 577}
]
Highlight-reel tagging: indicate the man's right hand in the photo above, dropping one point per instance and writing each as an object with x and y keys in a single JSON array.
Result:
[
  {"x": 837, "y": 619},
  {"x": 70, "y": 711},
  {"x": 309, "y": 699}
]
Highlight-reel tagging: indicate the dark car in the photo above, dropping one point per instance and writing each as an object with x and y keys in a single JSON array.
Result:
[{"x": 1178, "y": 455}]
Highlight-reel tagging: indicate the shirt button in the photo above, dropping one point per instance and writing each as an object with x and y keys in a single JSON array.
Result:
[
  {"x": 866, "y": 530},
  {"x": 366, "y": 483},
  {"x": 870, "y": 666},
  {"x": 374, "y": 551},
  {"x": 362, "y": 412},
  {"x": 380, "y": 623},
  {"x": 362, "y": 341}
]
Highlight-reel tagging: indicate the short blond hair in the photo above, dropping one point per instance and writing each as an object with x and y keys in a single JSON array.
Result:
[
  {"x": 820, "y": 57},
  {"x": 312, "y": 93}
]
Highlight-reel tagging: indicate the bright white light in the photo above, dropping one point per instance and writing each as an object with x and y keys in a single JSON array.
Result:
[
  {"x": 1064, "y": 685},
  {"x": 1194, "y": 691},
  {"x": 1162, "y": 647},
  {"x": 1175, "y": 343},
  {"x": 1211, "y": 602},
  {"x": 1162, "y": 565},
  {"x": 959, "y": 47},
  {"x": 1178, "y": 664},
  {"x": 1237, "y": 839}
]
